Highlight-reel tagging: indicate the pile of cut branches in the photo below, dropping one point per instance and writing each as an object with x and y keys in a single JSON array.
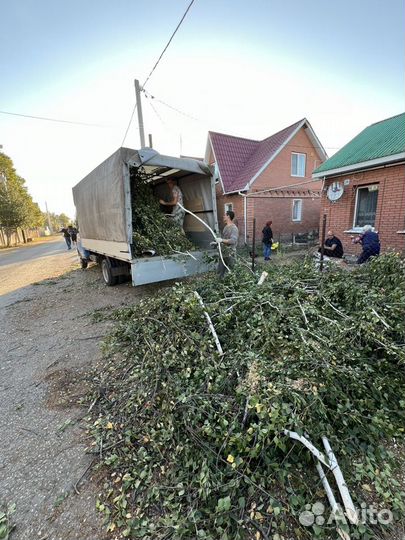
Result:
[
  {"x": 151, "y": 228},
  {"x": 193, "y": 442}
]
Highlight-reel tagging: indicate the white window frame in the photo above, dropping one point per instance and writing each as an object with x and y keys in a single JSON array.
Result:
[
  {"x": 355, "y": 227},
  {"x": 305, "y": 164},
  {"x": 299, "y": 218},
  {"x": 226, "y": 209}
]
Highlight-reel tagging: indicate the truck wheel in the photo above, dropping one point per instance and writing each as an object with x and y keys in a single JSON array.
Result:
[
  {"x": 83, "y": 263},
  {"x": 106, "y": 269}
]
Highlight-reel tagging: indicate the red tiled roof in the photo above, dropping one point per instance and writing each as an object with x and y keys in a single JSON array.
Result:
[{"x": 240, "y": 159}]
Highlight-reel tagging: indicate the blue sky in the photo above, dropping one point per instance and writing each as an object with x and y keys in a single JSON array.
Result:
[{"x": 245, "y": 68}]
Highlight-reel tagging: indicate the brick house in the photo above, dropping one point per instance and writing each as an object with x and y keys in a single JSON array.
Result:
[
  {"x": 268, "y": 180},
  {"x": 364, "y": 184}
]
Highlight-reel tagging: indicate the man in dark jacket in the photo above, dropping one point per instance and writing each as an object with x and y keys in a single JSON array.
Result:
[
  {"x": 267, "y": 240},
  {"x": 67, "y": 237},
  {"x": 370, "y": 242}
]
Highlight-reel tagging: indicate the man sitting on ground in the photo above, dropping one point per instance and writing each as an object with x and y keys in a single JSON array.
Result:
[{"x": 333, "y": 246}]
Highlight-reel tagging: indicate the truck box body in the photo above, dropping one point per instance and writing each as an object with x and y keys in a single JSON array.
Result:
[{"x": 103, "y": 201}]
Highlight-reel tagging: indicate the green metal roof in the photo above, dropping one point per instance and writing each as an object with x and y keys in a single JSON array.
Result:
[{"x": 382, "y": 139}]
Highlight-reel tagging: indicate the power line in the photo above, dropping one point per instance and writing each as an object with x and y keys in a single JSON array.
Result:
[
  {"x": 167, "y": 44},
  {"x": 156, "y": 64},
  {"x": 147, "y": 94},
  {"x": 51, "y": 119},
  {"x": 155, "y": 111},
  {"x": 129, "y": 124}
]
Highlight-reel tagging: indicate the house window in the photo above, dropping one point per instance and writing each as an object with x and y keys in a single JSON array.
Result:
[
  {"x": 297, "y": 210},
  {"x": 228, "y": 207},
  {"x": 366, "y": 205},
  {"x": 298, "y": 162}
]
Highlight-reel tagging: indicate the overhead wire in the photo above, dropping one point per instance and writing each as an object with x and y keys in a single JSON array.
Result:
[
  {"x": 168, "y": 43},
  {"x": 51, "y": 119},
  {"x": 157, "y": 63},
  {"x": 129, "y": 124},
  {"x": 148, "y": 94},
  {"x": 156, "y": 99},
  {"x": 156, "y": 113}
]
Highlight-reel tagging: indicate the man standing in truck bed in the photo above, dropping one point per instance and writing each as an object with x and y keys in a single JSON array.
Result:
[{"x": 176, "y": 199}]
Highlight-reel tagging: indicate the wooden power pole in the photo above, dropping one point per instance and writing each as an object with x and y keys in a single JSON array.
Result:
[{"x": 140, "y": 116}]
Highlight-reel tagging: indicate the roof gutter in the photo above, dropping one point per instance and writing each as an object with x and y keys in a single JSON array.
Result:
[
  {"x": 244, "y": 215},
  {"x": 252, "y": 194}
]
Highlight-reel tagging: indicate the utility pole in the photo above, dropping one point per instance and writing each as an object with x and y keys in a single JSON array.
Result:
[
  {"x": 150, "y": 140},
  {"x": 48, "y": 218},
  {"x": 140, "y": 116},
  {"x": 323, "y": 234}
]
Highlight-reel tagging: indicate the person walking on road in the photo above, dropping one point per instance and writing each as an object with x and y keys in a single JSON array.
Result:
[
  {"x": 67, "y": 237},
  {"x": 73, "y": 234}
]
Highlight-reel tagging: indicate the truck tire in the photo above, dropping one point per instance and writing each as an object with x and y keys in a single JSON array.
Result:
[{"x": 106, "y": 269}]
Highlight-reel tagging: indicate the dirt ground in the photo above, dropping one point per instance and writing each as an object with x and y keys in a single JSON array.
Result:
[{"x": 49, "y": 341}]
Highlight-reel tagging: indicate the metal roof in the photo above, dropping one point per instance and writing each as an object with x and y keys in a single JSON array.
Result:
[
  {"x": 380, "y": 140},
  {"x": 241, "y": 160}
]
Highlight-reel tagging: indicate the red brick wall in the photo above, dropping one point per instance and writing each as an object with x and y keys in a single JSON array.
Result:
[
  {"x": 390, "y": 216},
  {"x": 278, "y": 173},
  {"x": 279, "y": 211}
]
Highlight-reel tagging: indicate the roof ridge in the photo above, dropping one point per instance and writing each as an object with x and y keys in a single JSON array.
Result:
[
  {"x": 234, "y": 136},
  {"x": 284, "y": 129},
  {"x": 259, "y": 140},
  {"x": 287, "y": 132},
  {"x": 386, "y": 119}
]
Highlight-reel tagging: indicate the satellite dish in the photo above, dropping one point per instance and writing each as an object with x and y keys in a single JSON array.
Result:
[{"x": 335, "y": 191}]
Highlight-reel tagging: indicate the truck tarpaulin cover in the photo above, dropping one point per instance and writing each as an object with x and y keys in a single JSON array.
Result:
[{"x": 100, "y": 200}]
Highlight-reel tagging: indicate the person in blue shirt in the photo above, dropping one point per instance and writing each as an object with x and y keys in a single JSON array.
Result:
[{"x": 370, "y": 242}]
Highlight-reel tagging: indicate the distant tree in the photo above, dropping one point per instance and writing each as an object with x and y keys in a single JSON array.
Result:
[
  {"x": 58, "y": 221},
  {"x": 36, "y": 217},
  {"x": 17, "y": 209},
  {"x": 65, "y": 220}
]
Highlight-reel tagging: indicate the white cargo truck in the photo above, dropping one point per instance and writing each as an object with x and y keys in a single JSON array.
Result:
[{"x": 104, "y": 202}]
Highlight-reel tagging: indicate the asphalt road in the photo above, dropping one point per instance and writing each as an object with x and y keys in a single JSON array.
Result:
[
  {"x": 29, "y": 264},
  {"x": 49, "y": 348},
  {"x": 31, "y": 252}
]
